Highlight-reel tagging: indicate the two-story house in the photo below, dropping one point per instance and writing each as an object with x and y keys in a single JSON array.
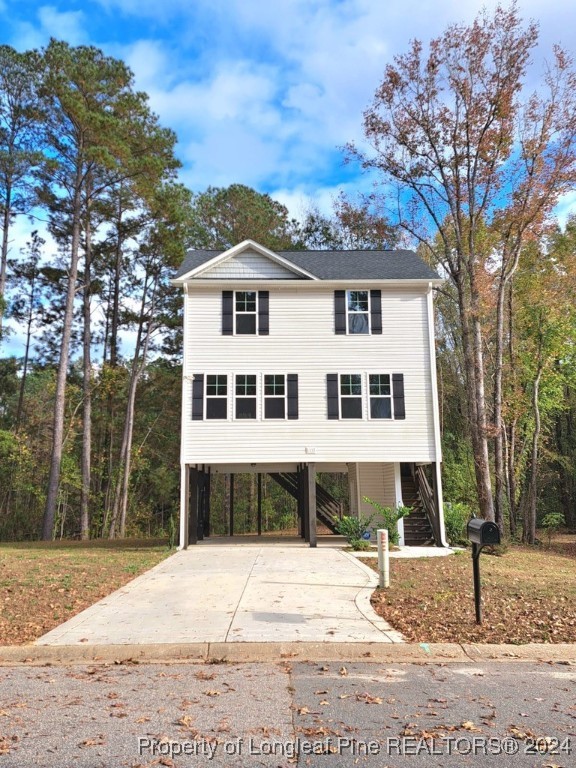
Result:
[{"x": 310, "y": 361}]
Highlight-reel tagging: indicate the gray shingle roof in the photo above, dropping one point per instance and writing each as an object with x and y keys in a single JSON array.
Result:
[{"x": 340, "y": 265}]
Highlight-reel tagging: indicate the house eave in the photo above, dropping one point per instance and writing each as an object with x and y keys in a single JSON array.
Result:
[{"x": 311, "y": 284}]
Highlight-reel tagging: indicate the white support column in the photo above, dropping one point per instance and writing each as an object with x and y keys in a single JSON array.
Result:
[
  {"x": 184, "y": 505},
  {"x": 438, "y": 478},
  {"x": 399, "y": 500},
  {"x": 186, "y": 399}
]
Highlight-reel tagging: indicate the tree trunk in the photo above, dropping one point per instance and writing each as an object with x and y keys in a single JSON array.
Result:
[
  {"x": 512, "y": 490},
  {"x": 529, "y": 532},
  {"x": 474, "y": 363},
  {"x": 29, "y": 320},
  {"x": 59, "y": 404},
  {"x": 498, "y": 422},
  {"x": 86, "y": 388},
  {"x": 112, "y": 326},
  {"x": 565, "y": 447},
  {"x": 4, "y": 252},
  {"x": 139, "y": 362},
  {"x": 115, "y": 320}
]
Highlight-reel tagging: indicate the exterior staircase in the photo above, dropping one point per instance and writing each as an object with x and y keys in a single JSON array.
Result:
[
  {"x": 417, "y": 528},
  {"x": 328, "y": 510}
]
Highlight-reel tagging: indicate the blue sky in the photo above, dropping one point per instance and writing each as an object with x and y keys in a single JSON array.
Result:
[{"x": 261, "y": 93}]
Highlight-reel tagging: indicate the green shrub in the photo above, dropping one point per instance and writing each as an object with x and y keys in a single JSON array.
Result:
[
  {"x": 551, "y": 523},
  {"x": 353, "y": 528},
  {"x": 456, "y": 517},
  {"x": 360, "y": 545},
  {"x": 387, "y": 517}
]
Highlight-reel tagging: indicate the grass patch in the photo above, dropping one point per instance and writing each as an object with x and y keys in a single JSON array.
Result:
[
  {"x": 528, "y": 596},
  {"x": 43, "y": 584}
]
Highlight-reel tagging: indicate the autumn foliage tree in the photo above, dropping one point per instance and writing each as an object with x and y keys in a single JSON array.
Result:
[{"x": 471, "y": 166}]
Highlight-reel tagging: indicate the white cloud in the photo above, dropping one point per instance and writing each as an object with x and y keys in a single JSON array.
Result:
[
  {"x": 50, "y": 22},
  {"x": 566, "y": 207},
  {"x": 67, "y": 25},
  {"x": 265, "y": 93},
  {"x": 300, "y": 201}
]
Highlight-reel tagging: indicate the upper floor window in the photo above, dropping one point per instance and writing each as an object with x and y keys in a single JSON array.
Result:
[
  {"x": 245, "y": 313},
  {"x": 358, "y": 312}
]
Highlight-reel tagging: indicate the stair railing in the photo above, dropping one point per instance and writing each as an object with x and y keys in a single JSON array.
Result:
[{"x": 428, "y": 501}]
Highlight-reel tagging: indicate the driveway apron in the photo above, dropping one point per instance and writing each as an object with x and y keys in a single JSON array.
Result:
[{"x": 231, "y": 593}]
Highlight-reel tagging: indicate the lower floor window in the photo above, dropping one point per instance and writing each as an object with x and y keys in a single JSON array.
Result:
[
  {"x": 245, "y": 396},
  {"x": 365, "y": 396},
  {"x": 216, "y": 397},
  {"x": 274, "y": 396},
  {"x": 380, "y": 396},
  {"x": 350, "y": 396}
]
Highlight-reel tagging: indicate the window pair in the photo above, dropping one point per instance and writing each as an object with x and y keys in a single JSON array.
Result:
[
  {"x": 246, "y": 313},
  {"x": 279, "y": 395},
  {"x": 385, "y": 394}
]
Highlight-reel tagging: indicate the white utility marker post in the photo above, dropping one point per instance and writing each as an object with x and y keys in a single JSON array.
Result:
[{"x": 383, "y": 557}]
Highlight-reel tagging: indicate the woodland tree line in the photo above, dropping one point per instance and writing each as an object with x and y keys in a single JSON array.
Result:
[{"x": 468, "y": 166}]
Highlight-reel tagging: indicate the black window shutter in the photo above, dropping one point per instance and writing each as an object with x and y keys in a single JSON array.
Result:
[
  {"x": 198, "y": 397},
  {"x": 227, "y": 313},
  {"x": 263, "y": 313},
  {"x": 292, "y": 390},
  {"x": 332, "y": 394},
  {"x": 340, "y": 312},
  {"x": 376, "y": 311},
  {"x": 398, "y": 395}
]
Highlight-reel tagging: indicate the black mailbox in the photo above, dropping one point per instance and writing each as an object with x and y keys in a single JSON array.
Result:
[{"x": 483, "y": 532}]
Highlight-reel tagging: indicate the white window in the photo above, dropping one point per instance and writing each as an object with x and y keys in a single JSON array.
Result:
[
  {"x": 358, "y": 311},
  {"x": 216, "y": 396},
  {"x": 380, "y": 393},
  {"x": 350, "y": 389},
  {"x": 246, "y": 312},
  {"x": 245, "y": 396},
  {"x": 274, "y": 396}
]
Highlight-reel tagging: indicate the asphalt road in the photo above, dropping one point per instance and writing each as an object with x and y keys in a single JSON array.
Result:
[{"x": 491, "y": 715}]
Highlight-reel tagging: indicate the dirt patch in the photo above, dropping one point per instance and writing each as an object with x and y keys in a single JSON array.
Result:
[
  {"x": 528, "y": 596},
  {"x": 44, "y": 584}
]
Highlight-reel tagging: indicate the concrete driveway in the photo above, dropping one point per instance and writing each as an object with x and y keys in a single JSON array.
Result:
[{"x": 237, "y": 593}]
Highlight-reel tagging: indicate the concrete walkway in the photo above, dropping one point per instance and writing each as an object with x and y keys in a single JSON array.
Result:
[{"x": 234, "y": 594}]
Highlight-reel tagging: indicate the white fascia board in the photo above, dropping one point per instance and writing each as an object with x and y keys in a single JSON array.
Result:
[
  {"x": 234, "y": 251},
  {"x": 423, "y": 284}
]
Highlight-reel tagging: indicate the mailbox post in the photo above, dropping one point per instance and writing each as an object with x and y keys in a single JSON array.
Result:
[{"x": 480, "y": 532}]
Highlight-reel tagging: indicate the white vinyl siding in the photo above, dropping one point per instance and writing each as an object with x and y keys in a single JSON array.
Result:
[
  {"x": 302, "y": 341},
  {"x": 248, "y": 265},
  {"x": 377, "y": 482}
]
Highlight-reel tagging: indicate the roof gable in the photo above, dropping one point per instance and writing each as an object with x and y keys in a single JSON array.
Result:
[
  {"x": 248, "y": 265},
  {"x": 247, "y": 260}
]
